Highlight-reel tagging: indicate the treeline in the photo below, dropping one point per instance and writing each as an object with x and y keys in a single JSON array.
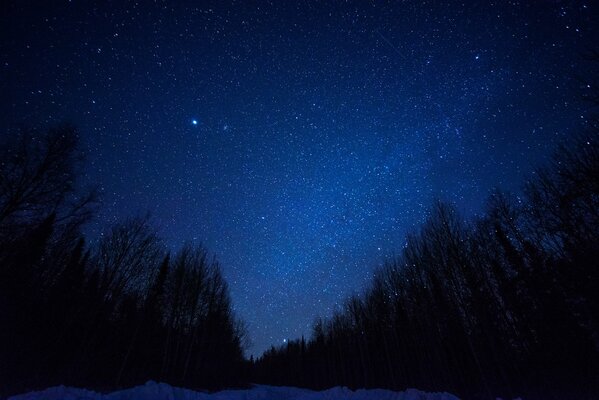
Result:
[
  {"x": 506, "y": 303},
  {"x": 113, "y": 314}
]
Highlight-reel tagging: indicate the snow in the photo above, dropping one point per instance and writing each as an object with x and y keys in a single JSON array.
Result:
[{"x": 162, "y": 391}]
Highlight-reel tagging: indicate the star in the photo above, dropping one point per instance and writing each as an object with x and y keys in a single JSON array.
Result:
[{"x": 194, "y": 122}]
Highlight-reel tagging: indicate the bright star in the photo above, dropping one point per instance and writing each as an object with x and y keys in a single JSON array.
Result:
[{"x": 194, "y": 121}]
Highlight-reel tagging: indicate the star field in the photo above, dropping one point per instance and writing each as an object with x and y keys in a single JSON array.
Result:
[{"x": 299, "y": 141}]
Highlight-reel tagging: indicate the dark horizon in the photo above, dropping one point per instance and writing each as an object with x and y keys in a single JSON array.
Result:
[{"x": 299, "y": 142}]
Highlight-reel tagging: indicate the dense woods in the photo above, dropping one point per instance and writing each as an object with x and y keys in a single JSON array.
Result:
[
  {"x": 506, "y": 303},
  {"x": 111, "y": 314}
]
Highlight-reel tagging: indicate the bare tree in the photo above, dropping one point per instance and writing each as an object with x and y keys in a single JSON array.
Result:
[
  {"x": 38, "y": 176},
  {"x": 127, "y": 257}
]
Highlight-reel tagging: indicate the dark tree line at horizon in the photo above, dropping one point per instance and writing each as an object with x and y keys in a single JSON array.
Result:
[
  {"x": 504, "y": 304},
  {"x": 113, "y": 314}
]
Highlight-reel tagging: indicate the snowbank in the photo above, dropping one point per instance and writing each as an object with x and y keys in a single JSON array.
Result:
[{"x": 162, "y": 391}]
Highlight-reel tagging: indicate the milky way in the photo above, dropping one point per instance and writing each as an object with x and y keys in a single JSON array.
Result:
[{"x": 299, "y": 141}]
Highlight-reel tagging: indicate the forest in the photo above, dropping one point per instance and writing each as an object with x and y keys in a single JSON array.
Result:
[
  {"x": 109, "y": 315},
  {"x": 504, "y": 303}
]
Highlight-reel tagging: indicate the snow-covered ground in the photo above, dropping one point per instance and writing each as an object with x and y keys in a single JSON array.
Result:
[{"x": 162, "y": 391}]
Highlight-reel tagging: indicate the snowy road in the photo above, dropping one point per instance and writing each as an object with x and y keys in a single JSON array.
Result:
[{"x": 162, "y": 391}]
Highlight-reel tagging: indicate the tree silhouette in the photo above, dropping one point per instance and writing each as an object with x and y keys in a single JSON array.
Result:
[
  {"x": 505, "y": 304},
  {"x": 117, "y": 313}
]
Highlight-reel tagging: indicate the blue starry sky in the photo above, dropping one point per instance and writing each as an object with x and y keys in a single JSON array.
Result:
[{"x": 298, "y": 140}]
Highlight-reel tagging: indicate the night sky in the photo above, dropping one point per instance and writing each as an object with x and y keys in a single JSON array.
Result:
[{"x": 299, "y": 141}]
